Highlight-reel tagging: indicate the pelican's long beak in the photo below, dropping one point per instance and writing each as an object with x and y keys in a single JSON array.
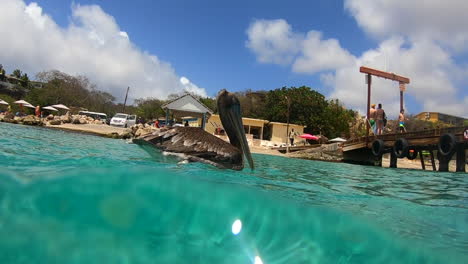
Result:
[
  {"x": 231, "y": 118},
  {"x": 236, "y": 119}
]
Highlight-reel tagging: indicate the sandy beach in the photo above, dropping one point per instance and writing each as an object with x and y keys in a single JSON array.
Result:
[{"x": 100, "y": 130}]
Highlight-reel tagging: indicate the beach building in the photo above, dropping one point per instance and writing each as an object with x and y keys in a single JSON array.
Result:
[
  {"x": 258, "y": 131},
  {"x": 253, "y": 127},
  {"x": 188, "y": 107},
  {"x": 441, "y": 117},
  {"x": 279, "y": 132}
]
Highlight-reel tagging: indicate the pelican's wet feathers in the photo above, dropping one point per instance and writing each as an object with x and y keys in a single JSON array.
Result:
[{"x": 199, "y": 145}]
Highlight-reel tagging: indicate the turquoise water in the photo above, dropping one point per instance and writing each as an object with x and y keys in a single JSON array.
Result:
[{"x": 74, "y": 198}]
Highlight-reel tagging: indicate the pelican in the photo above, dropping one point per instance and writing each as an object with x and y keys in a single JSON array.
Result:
[{"x": 198, "y": 145}]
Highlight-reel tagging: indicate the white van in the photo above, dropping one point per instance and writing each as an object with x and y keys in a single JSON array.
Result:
[
  {"x": 123, "y": 120},
  {"x": 95, "y": 115}
]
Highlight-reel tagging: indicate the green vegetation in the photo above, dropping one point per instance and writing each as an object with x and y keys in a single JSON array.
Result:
[{"x": 306, "y": 106}]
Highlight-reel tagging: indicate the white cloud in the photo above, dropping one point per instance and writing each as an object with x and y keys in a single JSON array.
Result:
[
  {"x": 192, "y": 88},
  {"x": 430, "y": 77},
  {"x": 437, "y": 81},
  {"x": 273, "y": 41},
  {"x": 319, "y": 55},
  {"x": 441, "y": 21},
  {"x": 92, "y": 45}
]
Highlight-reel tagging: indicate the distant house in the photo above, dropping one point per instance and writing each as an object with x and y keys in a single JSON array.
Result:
[
  {"x": 254, "y": 130},
  {"x": 436, "y": 116},
  {"x": 252, "y": 127},
  {"x": 279, "y": 131}
]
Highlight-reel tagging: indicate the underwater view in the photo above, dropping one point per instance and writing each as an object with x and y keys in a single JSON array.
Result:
[{"x": 75, "y": 198}]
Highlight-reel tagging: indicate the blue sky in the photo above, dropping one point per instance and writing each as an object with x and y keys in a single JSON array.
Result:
[
  {"x": 258, "y": 45},
  {"x": 205, "y": 40}
]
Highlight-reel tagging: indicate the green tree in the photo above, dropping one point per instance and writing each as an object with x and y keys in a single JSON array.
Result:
[
  {"x": 149, "y": 108},
  {"x": 25, "y": 80},
  {"x": 209, "y": 102},
  {"x": 76, "y": 91},
  {"x": 17, "y": 73},
  {"x": 337, "y": 120},
  {"x": 2, "y": 73}
]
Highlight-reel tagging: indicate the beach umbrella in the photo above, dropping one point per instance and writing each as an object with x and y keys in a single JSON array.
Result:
[
  {"x": 50, "y": 108},
  {"x": 60, "y": 106},
  {"x": 22, "y": 102},
  {"x": 309, "y": 136},
  {"x": 29, "y": 105},
  {"x": 338, "y": 139},
  {"x": 3, "y": 102}
]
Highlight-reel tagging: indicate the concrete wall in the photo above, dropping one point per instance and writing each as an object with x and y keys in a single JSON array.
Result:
[
  {"x": 214, "y": 122},
  {"x": 279, "y": 132}
]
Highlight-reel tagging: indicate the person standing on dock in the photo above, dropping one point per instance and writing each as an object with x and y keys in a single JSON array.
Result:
[
  {"x": 372, "y": 119},
  {"x": 379, "y": 117},
  {"x": 292, "y": 134},
  {"x": 401, "y": 121}
]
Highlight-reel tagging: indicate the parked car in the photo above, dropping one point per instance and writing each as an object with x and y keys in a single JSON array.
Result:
[{"x": 123, "y": 120}]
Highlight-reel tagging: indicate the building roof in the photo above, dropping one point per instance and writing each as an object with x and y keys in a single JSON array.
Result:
[
  {"x": 423, "y": 113},
  {"x": 285, "y": 124},
  {"x": 187, "y": 104},
  {"x": 251, "y": 119}
]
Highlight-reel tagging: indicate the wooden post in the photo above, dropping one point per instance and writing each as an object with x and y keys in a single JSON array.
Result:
[
  {"x": 369, "y": 80},
  {"x": 423, "y": 165},
  {"x": 261, "y": 132},
  {"x": 443, "y": 162},
  {"x": 203, "y": 121},
  {"x": 401, "y": 100},
  {"x": 393, "y": 160},
  {"x": 167, "y": 117},
  {"x": 432, "y": 160},
  {"x": 461, "y": 158},
  {"x": 125, "y": 102}
]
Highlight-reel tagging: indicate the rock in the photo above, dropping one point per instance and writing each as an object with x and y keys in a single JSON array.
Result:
[
  {"x": 138, "y": 132},
  {"x": 126, "y": 135},
  {"x": 55, "y": 122},
  {"x": 65, "y": 119},
  {"x": 97, "y": 122},
  {"x": 83, "y": 121},
  {"x": 329, "y": 152},
  {"x": 32, "y": 120},
  {"x": 18, "y": 119},
  {"x": 76, "y": 121},
  {"x": 113, "y": 135},
  {"x": 50, "y": 117}
]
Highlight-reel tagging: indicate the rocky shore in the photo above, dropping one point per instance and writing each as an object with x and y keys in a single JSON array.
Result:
[{"x": 79, "y": 123}]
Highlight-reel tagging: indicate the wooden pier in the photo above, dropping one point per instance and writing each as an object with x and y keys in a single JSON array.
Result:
[{"x": 443, "y": 144}]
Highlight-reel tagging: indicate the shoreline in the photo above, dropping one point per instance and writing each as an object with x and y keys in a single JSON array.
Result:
[{"x": 118, "y": 133}]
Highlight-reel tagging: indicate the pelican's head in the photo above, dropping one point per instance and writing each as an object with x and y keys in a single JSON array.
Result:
[{"x": 231, "y": 118}]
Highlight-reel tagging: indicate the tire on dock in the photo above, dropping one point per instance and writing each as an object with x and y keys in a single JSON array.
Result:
[
  {"x": 412, "y": 154},
  {"x": 378, "y": 147},
  {"x": 401, "y": 148},
  {"x": 447, "y": 145}
]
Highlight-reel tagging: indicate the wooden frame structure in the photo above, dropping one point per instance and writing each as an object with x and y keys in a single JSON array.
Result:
[{"x": 387, "y": 75}]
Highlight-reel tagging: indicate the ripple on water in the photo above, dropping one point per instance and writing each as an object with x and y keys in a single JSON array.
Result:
[{"x": 70, "y": 192}]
